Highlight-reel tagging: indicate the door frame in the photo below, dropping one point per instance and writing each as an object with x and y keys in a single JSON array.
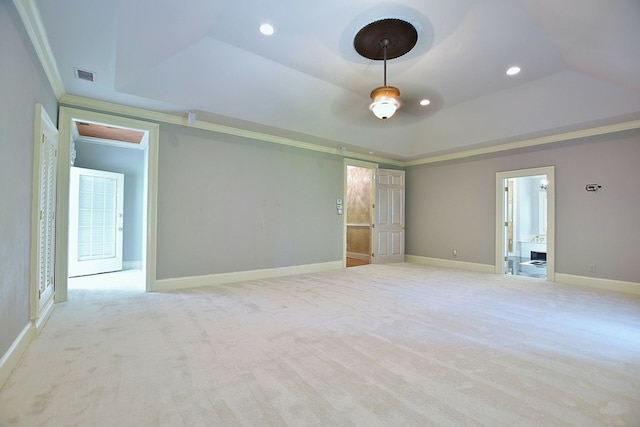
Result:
[
  {"x": 67, "y": 117},
  {"x": 500, "y": 248},
  {"x": 359, "y": 164}
]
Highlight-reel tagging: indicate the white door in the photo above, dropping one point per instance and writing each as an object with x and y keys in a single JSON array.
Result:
[
  {"x": 389, "y": 221},
  {"x": 95, "y": 221},
  {"x": 47, "y": 211}
]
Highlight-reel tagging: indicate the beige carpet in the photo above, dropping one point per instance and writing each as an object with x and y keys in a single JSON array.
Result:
[{"x": 368, "y": 346}]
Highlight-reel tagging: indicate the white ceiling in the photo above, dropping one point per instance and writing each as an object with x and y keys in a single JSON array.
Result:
[{"x": 580, "y": 63}]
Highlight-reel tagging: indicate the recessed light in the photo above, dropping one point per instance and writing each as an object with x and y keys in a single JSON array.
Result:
[
  {"x": 512, "y": 71},
  {"x": 425, "y": 102},
  {"x": 267, "y": 29}
]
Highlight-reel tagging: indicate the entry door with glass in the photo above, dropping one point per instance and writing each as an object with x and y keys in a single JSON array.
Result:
[{"x": 95, "y": 221}]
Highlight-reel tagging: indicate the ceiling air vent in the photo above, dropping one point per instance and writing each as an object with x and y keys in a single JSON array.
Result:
[{"x": 85, "y": 75}]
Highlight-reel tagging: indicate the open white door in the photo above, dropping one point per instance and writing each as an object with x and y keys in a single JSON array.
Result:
[
  {"x": 95, "y": 221},
  {"x": 389, "y": 220}
]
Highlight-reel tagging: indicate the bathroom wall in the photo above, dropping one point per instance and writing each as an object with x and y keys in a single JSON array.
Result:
[
  {"x": 359, "y": 194},
  {"x": 528, "y": 219}
]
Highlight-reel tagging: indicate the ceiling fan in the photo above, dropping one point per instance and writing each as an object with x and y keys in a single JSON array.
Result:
[{"x": 383, "y": 40}]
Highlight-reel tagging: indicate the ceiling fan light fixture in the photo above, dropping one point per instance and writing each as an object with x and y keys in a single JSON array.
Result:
[
  {"x": 382, "y": 40},
  {"x": 385, "y": 101}
]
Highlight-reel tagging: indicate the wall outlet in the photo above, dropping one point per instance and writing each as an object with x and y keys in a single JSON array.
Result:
[
  {"x": 455, "y": 252},
  {"x": 591, "y": 268}
]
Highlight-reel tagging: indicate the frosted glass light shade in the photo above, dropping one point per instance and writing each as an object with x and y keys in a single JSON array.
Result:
[{"x": 385, "y": 101}]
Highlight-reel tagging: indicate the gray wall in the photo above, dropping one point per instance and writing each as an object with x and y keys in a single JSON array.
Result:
[
  {"x": 129, "y": 162},
  {"x": 22, "y": 85},
  {"x": 229, "y": 204},
  {"x": 452, "y": 205}
]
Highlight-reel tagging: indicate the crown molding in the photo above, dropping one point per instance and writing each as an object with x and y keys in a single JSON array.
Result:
[
  {"x": 565, "y": 136},
  {"x": 30, "y": 15},
  {"x": 76, "y": 101},
  {"x": 181, "y": 120}
]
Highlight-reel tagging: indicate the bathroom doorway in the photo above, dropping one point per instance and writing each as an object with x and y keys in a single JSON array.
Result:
[{"x": 524, "y": 237}]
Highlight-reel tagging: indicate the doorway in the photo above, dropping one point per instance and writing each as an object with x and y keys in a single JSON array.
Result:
[
  {"x": 109, "y": 144},
  {"x": 525, "y": 223},
  {"x": 374, "y": 214},
  {"x": 105, "y": 233},
  {"x": 359, "y": 214}
]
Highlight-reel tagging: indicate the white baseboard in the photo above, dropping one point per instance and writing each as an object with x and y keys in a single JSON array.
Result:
[
  {"x": 594, "y": 282},
  {"x": 39, "y": 323},
  {"x": 10, "y": 359},
  {"x": 447, "y": 263},
  {"x": 164, "y": 285}
]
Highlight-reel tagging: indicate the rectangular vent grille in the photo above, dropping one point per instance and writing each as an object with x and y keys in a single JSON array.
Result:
[{"x": 84, "y": 75}]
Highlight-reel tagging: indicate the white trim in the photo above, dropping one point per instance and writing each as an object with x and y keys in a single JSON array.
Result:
[
  {"x": 10, "y": 359},
  {"x": 164, "y": 285},
  {"x": 594, "y": 282},
  {"x": 40, "y": 115},
  {"x": 447, "y": 263},
  {"x": 559, "y": 137},
  {"x": 32, "y": 22},
  {"x": 77, "y": 101},
  {"x": 66, "y": 115},
  {"x": 549, "y": 171},
  {"x": 45, "y": 314},
  {"x": 360, "y": 164}
]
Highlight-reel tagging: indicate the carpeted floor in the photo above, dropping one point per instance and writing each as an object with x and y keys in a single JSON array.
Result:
[{"x": 378, "y": 345}]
